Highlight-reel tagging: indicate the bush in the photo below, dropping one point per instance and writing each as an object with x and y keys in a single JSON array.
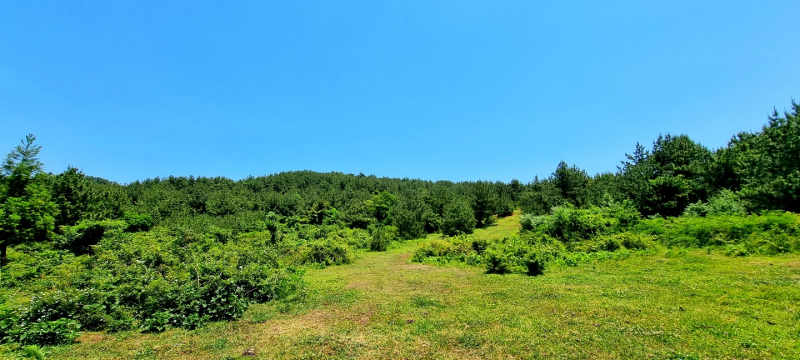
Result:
[
  {"x": 382, "y": 237},
  {"x": 572, "y": 225},
  {"x": 530, "y": 222},
  {"x": 724, "y": 203},
  {"x": 150, "y": 280},
  {"x": 497, "y": 261},
  {"x": 137, "y": 222},
  {"x": 80, "y": 238},
  {"x": 779, "y": 228},
  {"x": 459, "y": 249},
  {"x": 327, "y": 253}
]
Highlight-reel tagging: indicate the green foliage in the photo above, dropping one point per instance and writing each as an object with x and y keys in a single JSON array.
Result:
[
  {"x": 411, "y": 217},
  {"x": 80, "y": 238},
  {"x": 541, "y": 196},
  {"x": 440, "y": 248},
  {"x": 137, "y": 222},
  {"x": 724, "y": 203},
  {"x": 148, "y": 280},
  {"x": 26, "y": 210},
  {"x": 529, "y": 254},
  {"x": 381, "y": 204},
  {"x": 382, "y": 236},
  {"x": 458, "y": 218},
  {"x": 484, "y": 202},
  {"x": 766, "y": 164},
  {"x": 770, "y": 233},
  {"x": 74, "y": 195},
  {"x": 573, "y": 184},
  {"x": 670, "y": 177},
  {"x": 571, "y": 225},
  {"x": 327, "y": 253}
]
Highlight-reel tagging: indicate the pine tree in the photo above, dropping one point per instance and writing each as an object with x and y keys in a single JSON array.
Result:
[{"x": 26, "y": 211}]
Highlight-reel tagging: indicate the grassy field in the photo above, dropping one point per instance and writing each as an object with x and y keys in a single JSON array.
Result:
[{"x": 672, "y": 305}]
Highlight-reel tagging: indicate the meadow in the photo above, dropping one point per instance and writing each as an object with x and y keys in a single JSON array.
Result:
[{"x": 663, "y": 304}]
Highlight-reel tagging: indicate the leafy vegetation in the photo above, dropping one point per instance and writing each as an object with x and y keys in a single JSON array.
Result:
[{"x": 82, "y": 254}]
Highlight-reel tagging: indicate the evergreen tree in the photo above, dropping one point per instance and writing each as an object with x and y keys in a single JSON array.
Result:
[
  {"x": 767, "y": 164},
  {"x": 458, "y": 218},
  {"x": 26, "y": 211},
  {"x": 573, "y": 182}
]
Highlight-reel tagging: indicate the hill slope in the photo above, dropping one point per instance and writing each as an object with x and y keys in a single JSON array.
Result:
[{"x": 675, "y": 304}]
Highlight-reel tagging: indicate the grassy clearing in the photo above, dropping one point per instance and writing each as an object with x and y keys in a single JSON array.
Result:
[
  {"x": 506, "y": 226},
  {"x": 673, "y": 305}
]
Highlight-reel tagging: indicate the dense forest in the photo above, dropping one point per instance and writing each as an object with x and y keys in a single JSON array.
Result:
[{"x": 84, "y": 253}]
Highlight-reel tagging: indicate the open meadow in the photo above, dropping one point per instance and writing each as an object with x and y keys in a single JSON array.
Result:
[{"x": 667, "y": 304}]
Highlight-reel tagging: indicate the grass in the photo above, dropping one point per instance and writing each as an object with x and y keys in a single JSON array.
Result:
[
  {"x": 506, "y": 226},
  {"x": 673, "y": 305}
]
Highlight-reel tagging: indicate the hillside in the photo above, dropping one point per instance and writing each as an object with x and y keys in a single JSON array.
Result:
[{"x": 664, "y": 305}]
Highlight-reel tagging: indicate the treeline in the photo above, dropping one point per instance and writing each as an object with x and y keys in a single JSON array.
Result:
[
  {"x": 762, "y": 169},
  {"x": 414, "y": 207}
]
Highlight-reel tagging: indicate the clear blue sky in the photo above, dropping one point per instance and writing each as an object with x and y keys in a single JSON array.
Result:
[{"x": 456, "y": 90}]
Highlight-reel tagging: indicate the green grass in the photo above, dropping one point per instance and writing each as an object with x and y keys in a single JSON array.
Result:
[
  {"x": 506, "y": 226},
  {"x": 672, "y": 305}
]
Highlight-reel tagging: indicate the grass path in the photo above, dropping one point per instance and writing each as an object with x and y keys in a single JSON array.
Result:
[{"x": 686, "y": 305}]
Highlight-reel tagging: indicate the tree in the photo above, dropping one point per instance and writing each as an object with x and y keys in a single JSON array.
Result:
[
  {"x": 74, "y": 195},
  {"x": 483, "y": 201},
  {"x": 669, "y": 178},
  {"x": 767, "y": 163},
  {"x": 458, "y": 218},
  {"x": 26, "y": 211},
  {"x": 540, "y": 197},
  {"x": 573, "y": 183}
]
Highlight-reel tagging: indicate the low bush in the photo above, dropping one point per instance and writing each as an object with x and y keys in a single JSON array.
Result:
[
  {"x": 769, "y": 233},
  {"x": 326, "y": 253},
  {"x": 147, "y": 280},
  {"x": 80, "y": 238},
  {"x": 382, "y": 237}
]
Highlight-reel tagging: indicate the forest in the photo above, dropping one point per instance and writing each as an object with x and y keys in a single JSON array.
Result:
[{"x": 81, "y": 253}]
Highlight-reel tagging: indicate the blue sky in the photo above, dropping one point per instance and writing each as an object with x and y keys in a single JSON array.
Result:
[{"x": 455, "y": 90}]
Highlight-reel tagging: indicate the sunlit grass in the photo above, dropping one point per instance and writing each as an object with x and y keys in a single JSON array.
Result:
[
  {"x": 689, "y": 305},
  {"x": 506, "y": 226}
]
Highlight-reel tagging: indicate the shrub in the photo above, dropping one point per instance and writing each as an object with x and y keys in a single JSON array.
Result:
[
  {"x": 326, "y": 253},
  {"x": 80, "y": 238},
  {"x": 479, "y": 245},
  {"x": 724, "y": 230},
  {"x": 434, "y": 248},
  {"x": 497, "y": 261},
  {"x": 381, "y": 238},
  {"x": 530, "y": 222},
  {"x": 724, "y": 203},
  {"x": 571, "y": 225},
  {"x": 137, "y": 222}
]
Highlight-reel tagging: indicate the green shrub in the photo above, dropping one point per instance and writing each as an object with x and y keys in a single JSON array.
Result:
[
  {"x": 572, "y": 225},
  {"x": 724, "y": 203},
  {"x": 137, "y": 222},
  {"x": 779, "y": 228},
  {"x": 479, "y": 245},
  {"x": 530, "y": 222},
  {"x": 327, "y": 253},
  {"x": 381, "y": 238},
  {"x": 433, "y": 248},
  {"x": 497, "y": 261},
  {"x": 80, "y": 238}
]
